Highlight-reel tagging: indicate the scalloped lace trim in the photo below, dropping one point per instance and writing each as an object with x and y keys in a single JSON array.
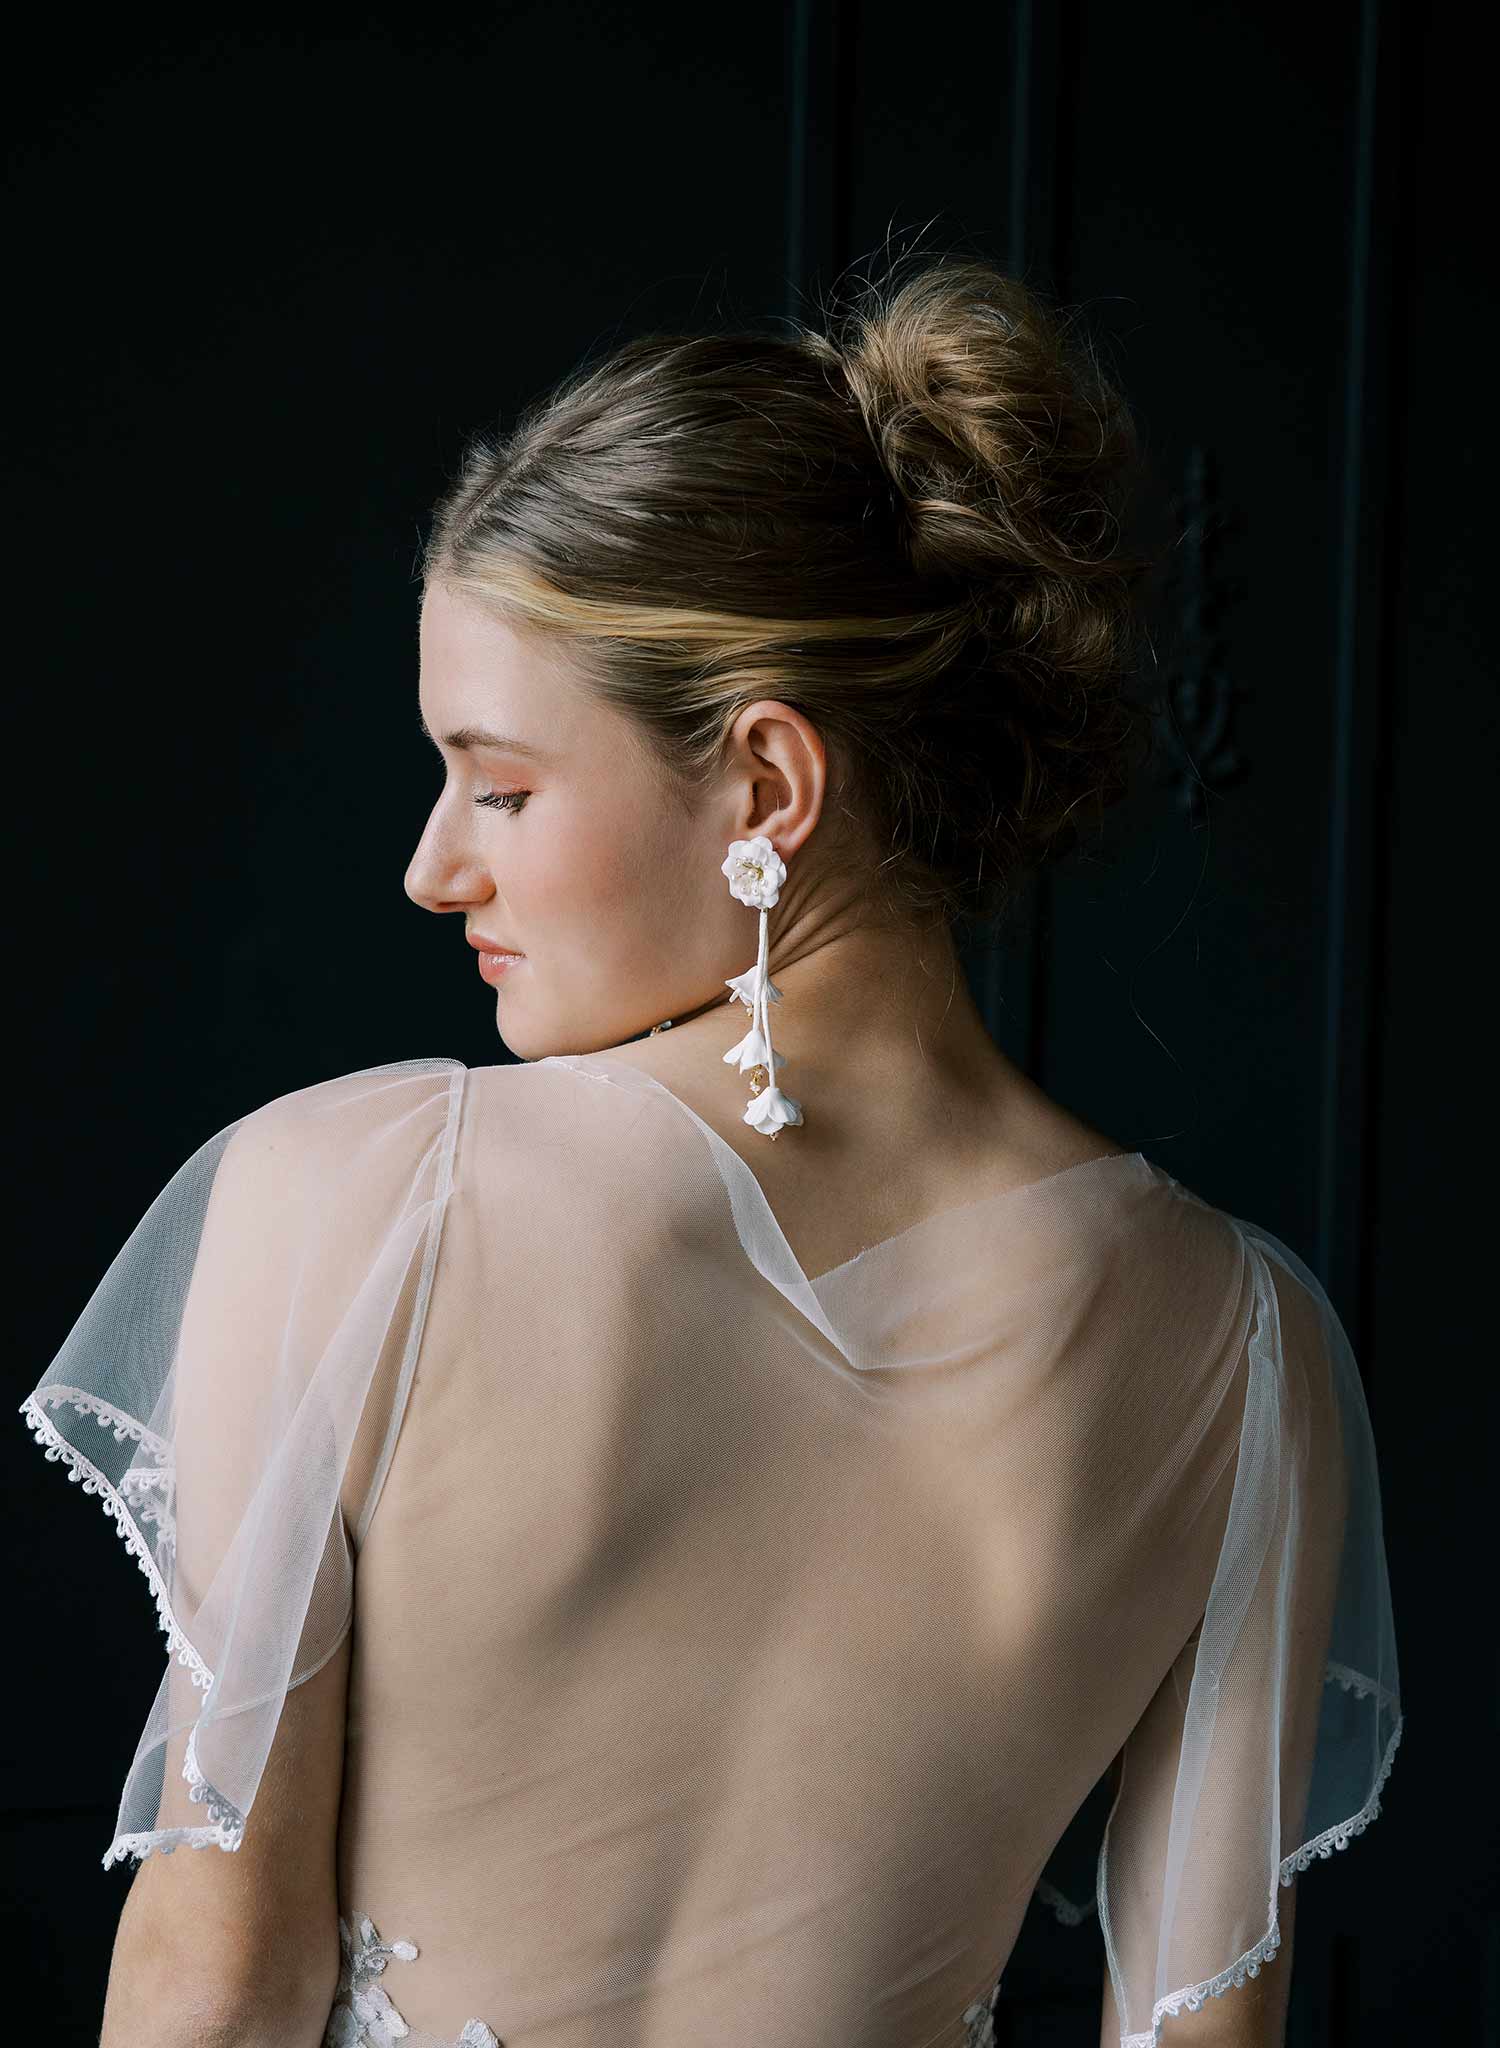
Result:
[
  {"x": 81, "y": 1468},
  {"x": 363, "y": 2015},
  {"x": 227, "y": 1827},
  {"x": 1073, "y": 1913}
]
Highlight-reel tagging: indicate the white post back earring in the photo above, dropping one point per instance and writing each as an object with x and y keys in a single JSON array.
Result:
[{"x": 756, "y": 873}]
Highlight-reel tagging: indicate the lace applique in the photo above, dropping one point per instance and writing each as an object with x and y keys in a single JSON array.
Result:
[
  {"x": 363, "y": 2015},
  {"x": 980, "y": 2022}
]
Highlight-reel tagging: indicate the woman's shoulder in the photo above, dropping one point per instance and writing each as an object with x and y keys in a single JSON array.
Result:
[
  {"x": 361, "y": 1091},
  {"x": 332, "y": 1139}
]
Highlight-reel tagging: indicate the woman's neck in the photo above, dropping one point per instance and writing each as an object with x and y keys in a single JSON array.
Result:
[{"x": 863, "y": 1013}]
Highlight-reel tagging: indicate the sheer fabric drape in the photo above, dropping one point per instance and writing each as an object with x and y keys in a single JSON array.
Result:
[{"x": 232, "y": 1392}]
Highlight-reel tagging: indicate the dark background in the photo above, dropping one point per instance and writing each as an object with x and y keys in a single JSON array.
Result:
[{"x": 266, "y": 280}]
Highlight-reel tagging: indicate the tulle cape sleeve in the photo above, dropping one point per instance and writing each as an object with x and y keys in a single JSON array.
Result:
[
  {"x": 232, "y": 1393},
  {"x": 1266, "y": 1746}
]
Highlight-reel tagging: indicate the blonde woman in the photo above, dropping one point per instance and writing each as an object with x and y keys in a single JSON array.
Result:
[{"x": 657, "y": 1537}]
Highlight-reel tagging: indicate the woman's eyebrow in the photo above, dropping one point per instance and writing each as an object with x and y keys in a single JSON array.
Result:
[{"x": 465, "y": 736}]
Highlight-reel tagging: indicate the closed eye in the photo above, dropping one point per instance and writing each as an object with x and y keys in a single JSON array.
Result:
[{"x": 504, "y": 799}]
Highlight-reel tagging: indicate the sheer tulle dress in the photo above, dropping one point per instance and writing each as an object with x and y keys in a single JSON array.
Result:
[{"x": 731, "y": 1646}]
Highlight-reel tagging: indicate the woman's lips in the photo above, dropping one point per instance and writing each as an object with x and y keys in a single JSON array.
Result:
[{"x": 493, "y": 965}]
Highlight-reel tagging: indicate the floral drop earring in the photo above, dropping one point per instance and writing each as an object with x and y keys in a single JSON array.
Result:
[{"x": 756, "y": 873}]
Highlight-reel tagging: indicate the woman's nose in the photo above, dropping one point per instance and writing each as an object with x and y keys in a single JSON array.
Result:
[{"x": 439, "y": 877}]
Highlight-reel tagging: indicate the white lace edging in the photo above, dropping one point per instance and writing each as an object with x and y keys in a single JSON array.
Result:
[
  {"x": 1073, "y": 1914},
  {"x": 1248, "y": 1965},
  {"x": 1361, "y": 1687},
  {"x": 112, "y": 1501},
  {"x": 162, "y": 1841},
  {"x": 107, "y": 1416},
  {"x": 227, "y": 1831},
  {"x": 228, "y": 1823}
]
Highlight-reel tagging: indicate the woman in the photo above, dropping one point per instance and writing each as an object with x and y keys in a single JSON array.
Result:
[{"x": 657, "y": 1541}]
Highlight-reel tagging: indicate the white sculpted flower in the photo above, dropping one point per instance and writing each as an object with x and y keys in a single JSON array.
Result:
[
  {"x": 744, "y": 988},
  {"x": 771, "y": 1111},
  {"x": 755, "y": 870},
  {"x": 751, "y": 1052}
]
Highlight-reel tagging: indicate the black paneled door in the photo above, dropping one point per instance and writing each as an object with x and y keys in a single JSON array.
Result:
[{"x": 1256, "y": 971}]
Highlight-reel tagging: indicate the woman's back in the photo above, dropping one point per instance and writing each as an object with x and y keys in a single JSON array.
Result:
[{"x": 714, "y": 1669}]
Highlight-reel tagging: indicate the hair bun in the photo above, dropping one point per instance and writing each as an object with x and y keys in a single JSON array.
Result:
[{"x": 1006, "y": 448}]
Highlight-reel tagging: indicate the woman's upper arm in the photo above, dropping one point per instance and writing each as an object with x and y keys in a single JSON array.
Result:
[
  {"x": 1251, "y": 2015},
  {"x": 209, "y": 1935},
  {"x": 1252, "y": 1762}
]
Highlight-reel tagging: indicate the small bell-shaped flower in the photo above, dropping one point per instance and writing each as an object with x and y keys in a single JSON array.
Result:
[
  {"x": 751, "y": 1052},
  {"x": 771, "y": 1111},
  {"x": 744, "y": 987}
]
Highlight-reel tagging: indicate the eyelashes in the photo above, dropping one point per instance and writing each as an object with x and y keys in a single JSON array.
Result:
[{"x": 504, "y": 800}]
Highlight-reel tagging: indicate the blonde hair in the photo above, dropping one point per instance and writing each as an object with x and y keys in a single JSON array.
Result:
[{"x": 909, "y": 528}]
